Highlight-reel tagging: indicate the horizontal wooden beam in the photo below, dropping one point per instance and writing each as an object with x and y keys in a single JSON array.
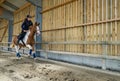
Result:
[
  {"x": 77, "y": 42},
  {"x": 84, "y": 43},
  {"x": 23, "y": 7},
  {"x": 85, "y": 24},
  {"x": 54, "y": 7},
  {"x": 15, "y": 35},
  {"x": 3, "y": 27},
  {"x": 4, "y": 36}
]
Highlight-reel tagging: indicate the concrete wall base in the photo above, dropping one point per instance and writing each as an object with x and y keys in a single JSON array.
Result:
[{"x": 84, "y": 59}]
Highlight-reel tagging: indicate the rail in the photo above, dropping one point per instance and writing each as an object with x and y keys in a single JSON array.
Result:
[
  {"x": 104, "y": 44},
  {"x": 77, "y": 42}
]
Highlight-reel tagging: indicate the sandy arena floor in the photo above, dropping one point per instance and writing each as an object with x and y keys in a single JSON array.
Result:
[{"x": 26, "y": 69}]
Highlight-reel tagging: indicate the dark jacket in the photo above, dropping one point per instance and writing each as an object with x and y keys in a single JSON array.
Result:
[{"x": 26, "y": 24}]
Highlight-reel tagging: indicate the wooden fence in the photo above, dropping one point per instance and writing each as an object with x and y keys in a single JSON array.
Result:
[
  {"x": 81, "y": 20},
  {"x": 4, "y": 30}
]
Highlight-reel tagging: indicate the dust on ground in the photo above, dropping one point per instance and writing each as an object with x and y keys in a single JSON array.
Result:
[{"x": 26, "y": 69}]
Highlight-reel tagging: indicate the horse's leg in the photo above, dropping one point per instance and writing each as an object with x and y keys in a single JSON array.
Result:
[
  {"x": 30, "y": 47},
  {"x": 33, "y": 53},
  {"x": 17, "y": 51}
]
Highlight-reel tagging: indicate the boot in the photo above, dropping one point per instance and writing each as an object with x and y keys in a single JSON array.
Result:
[
  {"x": 18, "y": 41},
  {"x": 19, "y": 37}
]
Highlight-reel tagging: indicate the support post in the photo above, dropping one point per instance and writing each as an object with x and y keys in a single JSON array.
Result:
[
  {"x": 39, "y": 19},
  {"x": 10, "y": 32}
]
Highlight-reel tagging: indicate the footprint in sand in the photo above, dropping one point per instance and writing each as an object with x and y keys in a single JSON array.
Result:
[{"x": 11, "y": 71}]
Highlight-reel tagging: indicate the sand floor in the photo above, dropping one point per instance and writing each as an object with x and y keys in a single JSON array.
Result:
[{"x": 26, "y": 69}]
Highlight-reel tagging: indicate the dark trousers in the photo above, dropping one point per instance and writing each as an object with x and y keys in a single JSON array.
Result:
[{"x": 22, "y": 35}]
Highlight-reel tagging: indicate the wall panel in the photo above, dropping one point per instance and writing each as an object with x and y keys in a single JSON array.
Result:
[{"x": 60, "y": 20}]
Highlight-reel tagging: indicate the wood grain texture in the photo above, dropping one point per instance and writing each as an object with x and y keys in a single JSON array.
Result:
[{"x": 81, "y": 20}]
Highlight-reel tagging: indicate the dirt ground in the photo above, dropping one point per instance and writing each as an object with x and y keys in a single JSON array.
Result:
[{"x": 26, "y": 69}]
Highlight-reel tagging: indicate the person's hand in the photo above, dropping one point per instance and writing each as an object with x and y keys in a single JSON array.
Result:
[{"x": 25, "y": 30}]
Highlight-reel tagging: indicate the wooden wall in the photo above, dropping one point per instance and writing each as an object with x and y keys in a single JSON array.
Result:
[
  {"x": 4, "y": 31},
  {"x": 21, "y": 14},
  {"x": 62, "y": 17},
  {"x": 96, "y": 20}
]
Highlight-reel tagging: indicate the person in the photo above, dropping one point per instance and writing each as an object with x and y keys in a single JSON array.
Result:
[{"x": 25, "y": 27}]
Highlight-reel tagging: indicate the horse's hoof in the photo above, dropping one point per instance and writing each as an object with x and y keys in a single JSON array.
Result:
[
  {"x": 20, "y": 58},
  {"x": 30, "y": 52},
  {"x": 34, "y": 56},
  {"x": 28, "y": 55},
  {"x": 18, "y": 55},
  {"x": 35, "y": 59}
]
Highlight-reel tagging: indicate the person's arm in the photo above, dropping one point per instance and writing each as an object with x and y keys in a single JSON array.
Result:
[
  {"x": 23, "y": 26},
  {"x": 31, "y": 23}
]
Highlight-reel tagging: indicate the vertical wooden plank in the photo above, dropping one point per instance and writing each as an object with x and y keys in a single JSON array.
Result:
[
  {"x": 116, "y": 26},
  {"x": 106, "y": 32},
  {"x": 56, "y": 32},
  {"x": 74, "y": 22},
  {"x": 118, "y": 23},
  {"x": 70, "y": 23},
  {"x": 63, "y": 25},
  {"x": 87, "y": 27},
  {"x": 100, "y": 25},
  {"x": 67, "y": 23},
  {"x": 104, "y": 18},
  {"x": 108, "y": 24},
  {"x": 43, "y": 25},
  {"x": 88, "y": 21},
  {"x": 84, "y": 21},
  {"x": 113, "y": 26},
  {"x": 97, "y": 27},
  {"x": 91, "y": 28},
  {"x": 58, "y": 25},
  {"x": 51, "y": 47},
  {"x": 80, "y": 21}
]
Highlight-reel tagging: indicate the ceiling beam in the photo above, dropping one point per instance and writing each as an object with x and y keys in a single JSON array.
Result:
[
  {"x": 23, "y": 7},
  {"x": 6, "y": 15},
  {"x": 1, "y": 1},
  {"x": 36, "y": 2},
  {"x": 10, "y": 5}
]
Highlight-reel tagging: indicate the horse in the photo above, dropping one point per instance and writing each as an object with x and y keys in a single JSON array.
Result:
[{"x": 28, "y": 41}]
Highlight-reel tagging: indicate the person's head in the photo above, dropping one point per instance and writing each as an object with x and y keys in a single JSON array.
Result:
[{"x": 29, "y": 17}]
